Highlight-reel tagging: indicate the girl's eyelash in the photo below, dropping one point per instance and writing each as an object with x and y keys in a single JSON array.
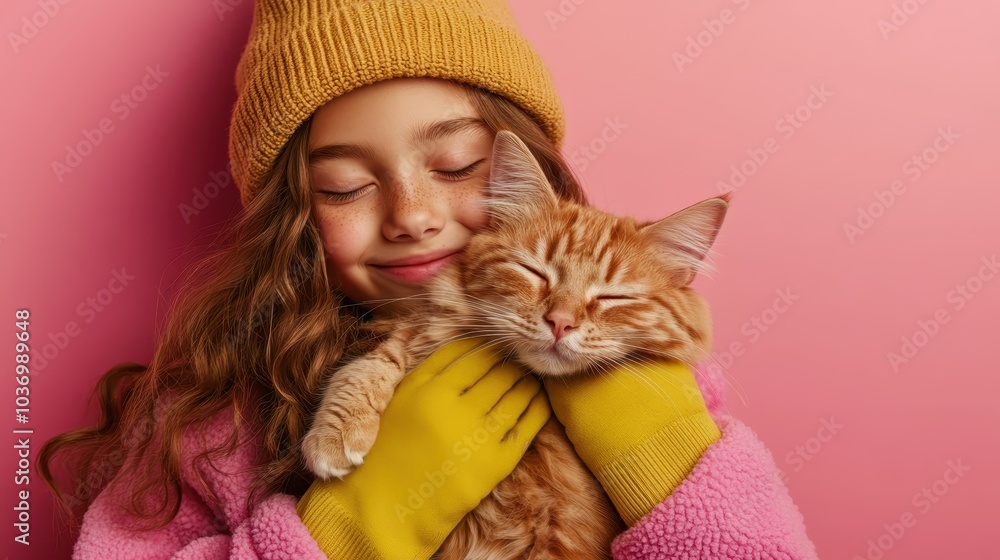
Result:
[
  {"x": 465, "y": 172},
  {"x": 351, "y": 195},
  {"x": 344, "y": 196}
]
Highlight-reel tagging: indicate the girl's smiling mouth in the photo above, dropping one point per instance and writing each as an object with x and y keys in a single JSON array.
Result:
[{"x": 418, "y": 269}]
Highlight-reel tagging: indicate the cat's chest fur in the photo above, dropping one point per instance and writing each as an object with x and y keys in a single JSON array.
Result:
[{"x": 551, "y": 506}]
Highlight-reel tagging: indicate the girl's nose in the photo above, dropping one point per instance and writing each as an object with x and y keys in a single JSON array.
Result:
[{"x": 415, "y": 212}]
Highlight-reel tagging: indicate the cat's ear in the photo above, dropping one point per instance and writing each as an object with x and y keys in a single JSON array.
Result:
[
  {"x": 518, "y": 188},
  {"x": 685, "y": 237}
]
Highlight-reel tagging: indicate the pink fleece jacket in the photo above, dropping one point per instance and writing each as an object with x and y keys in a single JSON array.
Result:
[{"x": 733, "y": 504}]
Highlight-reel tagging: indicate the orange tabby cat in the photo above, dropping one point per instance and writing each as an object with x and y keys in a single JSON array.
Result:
[{"x": 567, "y": 290}]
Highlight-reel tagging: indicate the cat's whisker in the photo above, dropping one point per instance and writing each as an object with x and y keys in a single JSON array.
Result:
[
  {"x": 730, "y": 379},
  {"x": 478, "y": 334},
  {"x": 501, "y": 342},
  {"x": 726, "y": 374},
  {"x": 479, "y": 305},
  {"x": 484, "y": 309},
  {"x": 497, "y": 297},
  {"x": 655, "y": 389},
  {"x": 627, "y": 365},
  {"x": 493, "y": 341},
  {"x": 627, "y": 359},
  {"x": 435, "y": 297},
  {"x": 454, "y": 324},
  {"x": 452, "y": 297}
]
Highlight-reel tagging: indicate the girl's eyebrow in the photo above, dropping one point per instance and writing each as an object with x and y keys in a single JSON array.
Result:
[
  {"x": 420, "y": 134},
  {"x": 433, "y": 131}
]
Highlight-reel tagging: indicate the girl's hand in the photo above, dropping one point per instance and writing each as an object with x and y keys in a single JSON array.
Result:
[
  {"x": 456, "y": 426},
  {"x": 640, "y": 428}
]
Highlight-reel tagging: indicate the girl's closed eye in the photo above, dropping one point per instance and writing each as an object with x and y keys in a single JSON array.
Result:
[
  {"x": 342, "y": 196},
  {"x": 464, "y": 172}
]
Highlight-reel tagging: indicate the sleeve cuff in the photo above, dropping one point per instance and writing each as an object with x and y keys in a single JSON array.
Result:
[
  {"x": 646, "y": 475},
  {"x": 335, "y": 531}
]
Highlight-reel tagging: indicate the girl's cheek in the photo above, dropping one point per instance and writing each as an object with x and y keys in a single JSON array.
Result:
[
  {"x": 345, "y": 238},
  {"x": 471, "y": 213}
]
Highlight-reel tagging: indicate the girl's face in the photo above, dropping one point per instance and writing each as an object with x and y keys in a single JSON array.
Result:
[{"x": 396, "y": 169}]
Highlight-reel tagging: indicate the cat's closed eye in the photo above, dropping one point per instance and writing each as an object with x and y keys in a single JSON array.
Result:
[
  {"x": 535, "y": 271},
  {"x": 619, "y": 297}
]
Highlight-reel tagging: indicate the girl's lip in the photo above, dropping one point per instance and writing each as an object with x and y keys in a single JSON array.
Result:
[
  {"x": 418, "y": 273},
  {"x": 419, "y": 259}
]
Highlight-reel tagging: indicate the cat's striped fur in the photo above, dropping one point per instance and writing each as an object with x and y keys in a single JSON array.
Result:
[{"x": 620, "y": 291}]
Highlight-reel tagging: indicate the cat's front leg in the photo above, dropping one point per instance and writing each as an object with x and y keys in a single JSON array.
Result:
[{"x": 346, "y": 423}]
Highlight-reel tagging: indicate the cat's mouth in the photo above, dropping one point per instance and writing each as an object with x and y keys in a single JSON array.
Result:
[{"x": 553, "y": 359}]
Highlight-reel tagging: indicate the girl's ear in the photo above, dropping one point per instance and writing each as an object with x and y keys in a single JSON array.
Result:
[
  {"x": 684, "y": 238},
  {"x": 518, "y": 188}
]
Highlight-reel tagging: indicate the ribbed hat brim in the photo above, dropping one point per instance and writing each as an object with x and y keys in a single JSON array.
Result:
[{"x": 292, "y": 67}]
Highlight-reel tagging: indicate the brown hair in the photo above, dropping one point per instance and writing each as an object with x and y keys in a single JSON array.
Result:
[{"x": 256, "y": 326}]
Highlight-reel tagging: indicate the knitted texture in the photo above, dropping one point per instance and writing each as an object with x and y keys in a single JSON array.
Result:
[
  {"x": 733, "y": 505},
  {"x": 303, "y": 53},
  {"x": 640, "y": 428}
]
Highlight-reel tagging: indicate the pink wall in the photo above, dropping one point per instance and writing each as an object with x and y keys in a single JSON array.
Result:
[{"x": 838, "y": 109}]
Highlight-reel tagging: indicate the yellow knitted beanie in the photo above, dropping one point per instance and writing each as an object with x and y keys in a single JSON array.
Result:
[{"x": 303, "y": 53}]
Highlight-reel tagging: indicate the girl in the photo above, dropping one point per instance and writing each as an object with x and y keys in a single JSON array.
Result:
[{"x": 360, "y": 141}]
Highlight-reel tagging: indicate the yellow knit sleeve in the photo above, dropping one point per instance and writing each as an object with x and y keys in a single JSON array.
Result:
[
  {"x": 336, "y": 532},
  {"x": 640, "y": 429}
]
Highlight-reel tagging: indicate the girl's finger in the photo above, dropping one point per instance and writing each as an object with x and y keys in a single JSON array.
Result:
[
  {"x": 512, "y": 404},
  {"x": 489, "y": 388},
  {"x": 534, "y": 418},
  {"x": 470, "y": 367},
  {"x": 443, "y": 357}
]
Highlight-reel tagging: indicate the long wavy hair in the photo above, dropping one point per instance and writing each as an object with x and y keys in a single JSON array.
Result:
[{"x": 256, "y": 326}]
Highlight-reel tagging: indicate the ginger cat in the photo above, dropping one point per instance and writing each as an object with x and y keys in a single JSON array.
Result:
[{"x": 565, "y": 289}]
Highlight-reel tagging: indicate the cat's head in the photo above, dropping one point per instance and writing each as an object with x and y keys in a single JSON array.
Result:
[{"x": 571, "y": 288}]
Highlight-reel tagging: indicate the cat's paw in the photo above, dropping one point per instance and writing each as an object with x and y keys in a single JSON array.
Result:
[{"x": 338, "y": 442}]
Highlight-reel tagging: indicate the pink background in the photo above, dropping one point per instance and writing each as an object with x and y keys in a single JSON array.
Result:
[{"x": 822, "y": 361}]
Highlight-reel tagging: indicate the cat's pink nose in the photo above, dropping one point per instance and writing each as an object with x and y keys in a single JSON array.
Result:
[{"x": 560, "y": 322}]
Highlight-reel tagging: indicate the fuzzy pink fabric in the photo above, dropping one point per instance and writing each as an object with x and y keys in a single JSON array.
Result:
[
  {"x": 273, "y": 530},
  {"x": 732, "y": 505}
]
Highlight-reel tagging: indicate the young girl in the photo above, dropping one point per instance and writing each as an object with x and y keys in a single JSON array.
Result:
[{"x": 361, "y": 141}]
